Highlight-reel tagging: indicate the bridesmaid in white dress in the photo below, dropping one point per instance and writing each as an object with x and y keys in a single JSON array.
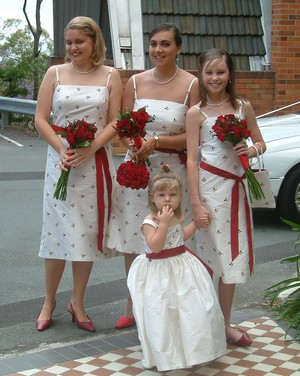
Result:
[
  {"x": 73, "y": 230},
  {"x": 167, "y": 92},
  {"x": 178, "y": 317},
  {"x": 216, "y": 185}
]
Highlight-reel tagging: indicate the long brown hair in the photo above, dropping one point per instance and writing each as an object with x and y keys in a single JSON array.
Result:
[{"x": 215, "y": 55}]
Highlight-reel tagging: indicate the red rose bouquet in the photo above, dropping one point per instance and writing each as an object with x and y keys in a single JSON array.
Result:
[
  {"x": 79, "y": 134},
  {"x": 233, "y": 129},
  {"x": 131, "y": 124}
]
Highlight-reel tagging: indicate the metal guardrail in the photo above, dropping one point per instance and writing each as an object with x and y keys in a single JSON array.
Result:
[{"x": 17, "y": 106}]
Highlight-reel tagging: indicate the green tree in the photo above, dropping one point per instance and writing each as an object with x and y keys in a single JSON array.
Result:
[{"x": 21, "y": 69}]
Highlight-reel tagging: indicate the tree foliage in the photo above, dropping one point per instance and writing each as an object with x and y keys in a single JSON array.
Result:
[{"x": 23, "y": 61}]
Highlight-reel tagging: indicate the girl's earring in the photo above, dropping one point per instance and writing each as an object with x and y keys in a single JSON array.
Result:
[
  {"x": 177, "y": 58},
  {"x": 229, "y": 81}
]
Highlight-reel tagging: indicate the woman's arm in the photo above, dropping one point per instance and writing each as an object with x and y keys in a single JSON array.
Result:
[
  {"x": 193, "y": 123},
  {"x": 43, "y": 111},
  {"x": 256, "y": 135}
]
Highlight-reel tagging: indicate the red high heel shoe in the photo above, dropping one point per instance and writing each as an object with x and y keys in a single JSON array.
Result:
[
  {"x": 245, "y": 339},
  {"x": 84, "y": 325},
  {"x": 125, "y": 322},
  {"x": 44, "y": 324}
]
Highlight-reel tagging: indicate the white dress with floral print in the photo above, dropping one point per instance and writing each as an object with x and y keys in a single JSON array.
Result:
[
  {"x": 214, "y": 242},
  {"x": 70, "y": 228},
  {"x": 131, "y": 206},
  {"x": 176, "y": 308}
]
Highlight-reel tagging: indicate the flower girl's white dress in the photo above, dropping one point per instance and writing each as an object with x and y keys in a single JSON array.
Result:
[{"x": 176, "y": 308}]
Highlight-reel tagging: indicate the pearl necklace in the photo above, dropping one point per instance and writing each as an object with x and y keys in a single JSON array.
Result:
[
  {"x": 78, "y": 71},
  {"x": 164, "y": 82},
  {"x": 218, "y": 104}
]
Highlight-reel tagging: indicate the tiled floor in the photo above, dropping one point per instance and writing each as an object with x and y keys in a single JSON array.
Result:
[{"x": 120, "y": 355}]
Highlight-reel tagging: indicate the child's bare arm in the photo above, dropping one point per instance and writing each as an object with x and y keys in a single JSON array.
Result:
[
  {"x": 189, "y": 230},
  {"x": 156, "y": 238}
]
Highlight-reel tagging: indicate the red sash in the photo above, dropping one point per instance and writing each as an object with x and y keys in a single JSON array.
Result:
[
  {"x": 181, "y": 153},
  {"x": 171, "y": 252},
  {"x": 102, "y": 174},
  {"x": 234, "y": 226}
]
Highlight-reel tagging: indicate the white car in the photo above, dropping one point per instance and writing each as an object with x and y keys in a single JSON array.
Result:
[{"x": 282, "y": 160}]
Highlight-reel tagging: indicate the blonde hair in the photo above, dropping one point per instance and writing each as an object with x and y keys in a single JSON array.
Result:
[
  {"x": 163, "y": 180},
  {"x": 89, "y": 27}
]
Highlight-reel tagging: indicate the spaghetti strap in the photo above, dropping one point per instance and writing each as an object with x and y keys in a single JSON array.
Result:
[
  {"x": 108, "y": 77},
  {"x": 199, "y": 109},
  {"x": 57, "y": 75},
  {"x": 241, "y": 106},
  {"x": 134, "y": 87},
  {"x": 189, "y": 90}
]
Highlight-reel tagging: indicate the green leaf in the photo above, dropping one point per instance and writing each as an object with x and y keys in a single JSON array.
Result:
[
  {"x": 290, "y": 259},
  {"x": 290, "y": 223}
]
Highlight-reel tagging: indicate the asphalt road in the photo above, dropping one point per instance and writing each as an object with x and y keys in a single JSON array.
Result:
[{"x": 22, "y": 162}]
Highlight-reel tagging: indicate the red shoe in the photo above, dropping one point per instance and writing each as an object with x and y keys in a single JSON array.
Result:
[
  {"x": 44, "y": 324},
  {"x": 245, "y": 340},
  {"x": 84, "y": 325},
  {"x": 125, "y": 322}
]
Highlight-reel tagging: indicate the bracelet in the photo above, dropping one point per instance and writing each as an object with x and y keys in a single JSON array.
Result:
[{"x": 157, "y": 143}]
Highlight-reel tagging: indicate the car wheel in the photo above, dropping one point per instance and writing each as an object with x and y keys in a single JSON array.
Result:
[{"x": 288, "y": 201}]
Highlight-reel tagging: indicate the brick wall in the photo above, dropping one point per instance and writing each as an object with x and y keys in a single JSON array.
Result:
[{"x": 285, "y": 52}]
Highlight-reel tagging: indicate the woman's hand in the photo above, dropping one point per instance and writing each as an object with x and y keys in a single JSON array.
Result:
[
  {"x": 74, "y": 157},
  {"x": 241, "y": 148},
  {"x": 201, "y": 217},
  {"x": 145, "y": 151}
]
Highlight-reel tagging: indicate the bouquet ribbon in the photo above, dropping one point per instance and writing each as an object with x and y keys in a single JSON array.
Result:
[
  {"x": 181, "y": 153},
  {"x": 234, "y": 225},
  {"x": 102, "y": 176},
  {"x": 171, "y": 252}
]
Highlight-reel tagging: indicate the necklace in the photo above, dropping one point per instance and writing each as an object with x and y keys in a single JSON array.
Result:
[
  {"x": 78, "y": 71},
  {"x": 164, "y": 82},
  {"x": 218, "y": 104}
]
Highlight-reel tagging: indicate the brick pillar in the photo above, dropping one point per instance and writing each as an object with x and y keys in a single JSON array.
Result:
[{"x": 285, "y": 53}]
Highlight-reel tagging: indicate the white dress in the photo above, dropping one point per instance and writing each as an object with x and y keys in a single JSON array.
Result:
[
  {"x": 226, "y": 244},
  {"x": 130, "y": 205},
  {"x": 176, "y": 309},
  {"x": 74, "y": 229}
]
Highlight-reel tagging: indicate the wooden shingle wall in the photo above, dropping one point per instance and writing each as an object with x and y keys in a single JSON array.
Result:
[{"x": 234, "y": 25}]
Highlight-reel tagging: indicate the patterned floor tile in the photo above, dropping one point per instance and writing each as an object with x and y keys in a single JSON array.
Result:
[{"x": 269, "y": 355}]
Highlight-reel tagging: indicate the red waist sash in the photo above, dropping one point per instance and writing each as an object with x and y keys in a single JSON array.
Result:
[
  {"x": 181, "y": 153},
  {"x": 234, "y": 225},
  {"x": 102, "y": 176},
  {"x": 171, "y": 252}
]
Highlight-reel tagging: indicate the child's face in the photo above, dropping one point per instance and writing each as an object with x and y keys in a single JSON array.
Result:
[
  {"x": 168, "y": 196},
  {"x": 215, "y": 76}
]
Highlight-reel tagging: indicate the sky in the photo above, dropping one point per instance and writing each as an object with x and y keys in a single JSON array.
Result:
[{"x": 14, "y": 9}]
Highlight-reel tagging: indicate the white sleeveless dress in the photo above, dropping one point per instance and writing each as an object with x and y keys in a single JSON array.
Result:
[
  {"x": 229, "y": 259},
  {"x": 74, "y": 229},
  {"x": 176, "y": 308},
  {"x": 131, "y": 206}
]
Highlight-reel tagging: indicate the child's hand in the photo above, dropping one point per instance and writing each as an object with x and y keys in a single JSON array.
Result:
[{"x": 166, "y": 214}]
